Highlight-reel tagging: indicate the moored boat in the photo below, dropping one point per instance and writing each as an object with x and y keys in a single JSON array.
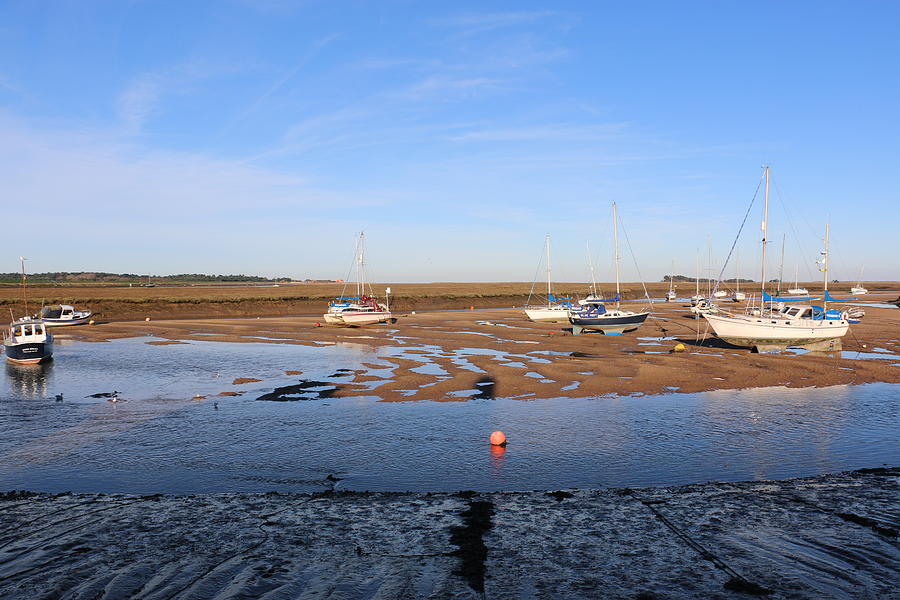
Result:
[
  {"x": 557, "y": 309},
  {"x": 593, "y": 316},
  {"x": 364, "y": 308},
  {"x": 63, "y": 314},
  {"x": 780, "y": 323},
  {"x": 27, "y": 341}
]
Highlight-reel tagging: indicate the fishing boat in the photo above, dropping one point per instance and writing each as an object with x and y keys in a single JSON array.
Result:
[
  {"x": 782, "y": 322},
  {"x": 63, "y": 314},
  {"x": 363, "y": 308},
  {"x": 27, "y": 340},
  {"x": 593, "y": 314}
]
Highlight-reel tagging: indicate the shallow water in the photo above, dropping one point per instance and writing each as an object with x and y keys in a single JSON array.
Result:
[{"x": 160, "y": 439}]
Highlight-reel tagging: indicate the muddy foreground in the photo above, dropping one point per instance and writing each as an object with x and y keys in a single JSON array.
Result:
[
  {"x": 833, "y": 536},
  {"x": 500, "y": 351}
]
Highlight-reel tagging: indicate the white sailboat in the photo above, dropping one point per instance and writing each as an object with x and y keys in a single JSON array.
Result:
[
  {"x": 671, "y": 295},
  {"x": 797, "y": 290},
  {"x": 858, "y": 289},
  {"x": 364, "y": 308},
  {"x": 697, "y": 297},
  {"x": 783, "y": 323},
  {"x": 557, "y": 309},
  {"x": 593, "y": 314},
  {"x": 738, "y": 295}
]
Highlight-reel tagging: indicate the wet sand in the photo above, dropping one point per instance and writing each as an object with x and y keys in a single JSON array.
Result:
[
  {"x": 485, "y": 351},
  {"x": 833, "y": 536}
]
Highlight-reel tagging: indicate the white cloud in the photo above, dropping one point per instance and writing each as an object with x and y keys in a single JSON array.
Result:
[{"x": 139, "y": 100}]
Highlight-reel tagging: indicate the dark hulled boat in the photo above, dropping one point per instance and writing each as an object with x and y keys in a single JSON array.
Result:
[{"x": 27, "y": 341}]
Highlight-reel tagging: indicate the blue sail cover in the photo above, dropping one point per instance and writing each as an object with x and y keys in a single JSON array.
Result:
[
  {"x": 768, "y": 298},
  {"x": 829, "y": 298},
  {"x": 616, "y": 299}
]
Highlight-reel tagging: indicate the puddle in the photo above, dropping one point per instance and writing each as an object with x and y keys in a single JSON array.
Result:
[
  {"x": 572, "y": 386},
  {"x": 879, "y": 353}
]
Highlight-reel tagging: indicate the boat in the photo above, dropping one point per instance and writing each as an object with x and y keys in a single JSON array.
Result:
[
  {"x": 63, "y": 314},
  {"x": 797, "y": 290},
  {"x": 27, "y": 340},
  {"x": 557, "y": 309},
  {"x": 697, "y": 297},
  {"x": 858, "y": 289},
  {"x": 738, "y": 295},
  {"x": 671, "y": 295},
  {"x": 593, "y": 314},
  {"x": 363, "y": 308},
  {"x": 782, "y": 322}
]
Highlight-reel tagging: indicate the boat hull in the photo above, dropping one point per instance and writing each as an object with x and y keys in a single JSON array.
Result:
[
  {"x": 772, "y": 333},
  {"x": 67, "y": 322},
  {"x": 363, "y": 318},
  {"x": 547, "y": 315},
  {"x": 609, "y": 324},
  {"x": 28, "y": 353}
]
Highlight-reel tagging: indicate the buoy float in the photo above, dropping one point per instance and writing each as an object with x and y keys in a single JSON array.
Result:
[
  {"x": 498, "y": 438},
  {"x": 91, "y": 322},
  {"x": 679, "y": 348},
  {"x": 147, "y": 319},
  {"x": 471, "y": 308}
]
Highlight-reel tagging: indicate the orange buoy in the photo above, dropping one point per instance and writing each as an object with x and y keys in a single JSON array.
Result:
[
  {"x": 498, "y": 438},
  {"x": 471, "y": 308}
]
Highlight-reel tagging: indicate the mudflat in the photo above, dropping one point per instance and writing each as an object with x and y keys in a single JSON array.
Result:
[{"x": 644, "y": 361}]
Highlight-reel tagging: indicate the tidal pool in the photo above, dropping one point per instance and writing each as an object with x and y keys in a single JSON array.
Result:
[{"x": 161, "y": 439}]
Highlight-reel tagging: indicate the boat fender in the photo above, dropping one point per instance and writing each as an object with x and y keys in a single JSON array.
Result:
[{"x": 845, "y": 316}]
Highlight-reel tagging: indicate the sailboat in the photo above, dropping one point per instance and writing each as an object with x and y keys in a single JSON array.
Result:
[
  {"x": 780, "y": 322},
  {"x": 27, "y": 341},
  {"x": 797, "y": 290},
  {"x": 858, "y": 288},
  {"x": 593, "y": 314},
  {"x": 738, "y": 295},
  {"x": 671, "y": 295},
  {"x": 557, "y": 309},
  {"x": 364, "y": 308}
]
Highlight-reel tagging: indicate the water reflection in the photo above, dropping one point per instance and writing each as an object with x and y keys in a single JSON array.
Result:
[
  {"x": 29, "y": 381},
  {"x": 166, "y": 440}
]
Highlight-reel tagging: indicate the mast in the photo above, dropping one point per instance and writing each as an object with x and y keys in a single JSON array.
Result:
[
  {"x": 781, "y": 265},
  {"x": 591, "y": 265},
  {"x": 697, "y": 279},
  {"x": 360, "y": 262},
  {"x": 616, "y": 260},
  {"x": 737, "y": 279},
  {"x": 825, "y": 269},
  {"x": 24, "y": 296},
  {"x": 547, "y": 243},
  {"x": 765, "y": 230},
  {"x": 671, "y": 276}
]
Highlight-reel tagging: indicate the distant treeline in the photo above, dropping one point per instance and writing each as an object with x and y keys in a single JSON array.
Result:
[
  {"x": 75, "y": 277},
  {"x": 685, "y": 278}
]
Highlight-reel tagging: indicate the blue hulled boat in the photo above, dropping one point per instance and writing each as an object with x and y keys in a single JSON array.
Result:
[{"x": 28, "y": 341}]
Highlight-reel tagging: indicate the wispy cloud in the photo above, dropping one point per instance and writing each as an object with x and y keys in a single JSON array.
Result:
[
  {"x": 551, "y": 132},
  {"x": 449, "y": 88},
  {"x": 138, "y": 101},
  {"x": 480, "y": 23}
]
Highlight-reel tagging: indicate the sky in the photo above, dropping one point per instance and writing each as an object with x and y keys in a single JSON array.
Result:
[{"x": 260, "y": 137}]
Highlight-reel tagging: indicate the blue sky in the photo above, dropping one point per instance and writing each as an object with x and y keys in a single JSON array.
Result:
[{"x": 260, "y": 136}]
